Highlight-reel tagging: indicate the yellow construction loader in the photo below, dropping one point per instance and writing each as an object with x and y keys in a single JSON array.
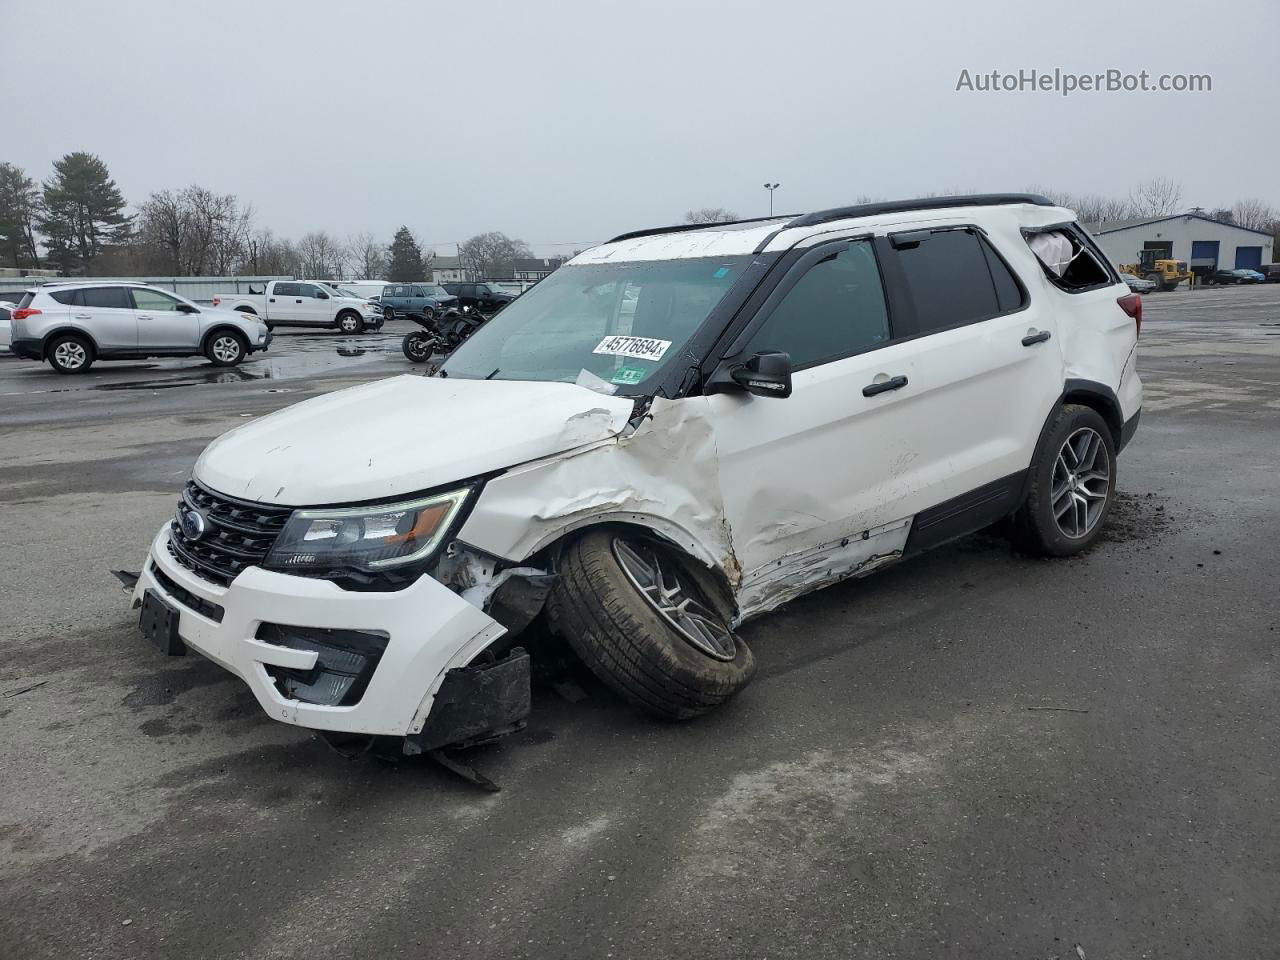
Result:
[{"x": 1165, "y": 274}]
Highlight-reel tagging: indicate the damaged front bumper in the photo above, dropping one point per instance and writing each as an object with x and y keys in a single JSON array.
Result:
[{"x": 321, "y": 657}]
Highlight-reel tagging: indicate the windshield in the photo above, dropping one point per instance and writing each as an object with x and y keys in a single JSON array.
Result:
[
  {"x": 335, "y": 292},
  {"x": 437, "y": 292},
  {"x": 614, "y": 320},
  {"x": 348, "y": 292}
]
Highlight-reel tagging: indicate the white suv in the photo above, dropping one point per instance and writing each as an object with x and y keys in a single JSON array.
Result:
[
  {"x": 678, "y": 430},
  {"x": 73, "y": 323}
]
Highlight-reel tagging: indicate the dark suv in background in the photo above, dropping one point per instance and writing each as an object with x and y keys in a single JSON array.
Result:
[{"x": 485, "y": 297}]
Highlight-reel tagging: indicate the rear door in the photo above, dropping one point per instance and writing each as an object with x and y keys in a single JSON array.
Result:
[
  {"x": 162, "y": 325},
  {"x": 284, "y": 302},
  {"x": 107, "y": 313},
  {"x": 314, "y": 308},
  {"x": 984, "y": 371}
]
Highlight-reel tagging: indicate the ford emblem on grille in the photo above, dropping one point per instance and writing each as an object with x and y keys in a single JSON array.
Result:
[{"x": 192, "y": 523}]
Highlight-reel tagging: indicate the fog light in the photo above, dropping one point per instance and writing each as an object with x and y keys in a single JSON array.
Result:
[{"x": 345, "y": 662}]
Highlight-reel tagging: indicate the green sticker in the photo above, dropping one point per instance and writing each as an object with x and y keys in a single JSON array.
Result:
[
  {"x": 629, "y": 375},
  {"x": 722, "y": 272}
]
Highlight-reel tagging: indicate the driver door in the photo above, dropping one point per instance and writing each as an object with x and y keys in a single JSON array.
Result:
[
  {"x": 162, "y": 325},
  {"x": 810, "y": 482}
]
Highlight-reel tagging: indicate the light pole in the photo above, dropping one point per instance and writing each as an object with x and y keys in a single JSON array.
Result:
[{"x": 771, "y": 187}]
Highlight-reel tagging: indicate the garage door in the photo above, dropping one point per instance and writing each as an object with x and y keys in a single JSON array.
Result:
[
  {"x": 1204, "y": 253},
  {"x": 1248, "y": 258}
]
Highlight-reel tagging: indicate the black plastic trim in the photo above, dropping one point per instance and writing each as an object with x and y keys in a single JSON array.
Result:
[
  {"x": 689, "y": 227},
  {"x": 1128, "y": 430},
  {"x": 923, "y": 203},
  {"x": 966, "y": 513}
]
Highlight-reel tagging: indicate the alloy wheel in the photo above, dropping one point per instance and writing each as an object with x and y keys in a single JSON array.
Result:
[
  {"x": 1081, "y": 483},
  {"x": 226, "y": 349},
  {"x": 70, "y": 355},
  {"x": 669, "y": 592}
]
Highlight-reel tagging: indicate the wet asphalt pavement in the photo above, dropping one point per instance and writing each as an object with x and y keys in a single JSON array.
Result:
[{"x": 968, "y": 755}]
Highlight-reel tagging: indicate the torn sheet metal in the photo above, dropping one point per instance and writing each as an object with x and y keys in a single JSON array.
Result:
[{"x": 662, "y": 475}]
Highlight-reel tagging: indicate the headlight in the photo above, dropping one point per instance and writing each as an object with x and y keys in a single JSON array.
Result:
[{"x": 367, "y": 538}]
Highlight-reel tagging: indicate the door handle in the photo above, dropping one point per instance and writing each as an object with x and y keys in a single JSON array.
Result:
[
  {"x": 297, "y": 301},
  {"x": 84, "y": 316},
  {"x": 1033, "y": 338},
  {"x": 143, "y": 316},
  {"x": 884, "y": 386}
]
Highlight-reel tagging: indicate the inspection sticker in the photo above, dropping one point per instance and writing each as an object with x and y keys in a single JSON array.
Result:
[
  {"x": 642, "y": 348},
  {"x": 630, "y": 375}
]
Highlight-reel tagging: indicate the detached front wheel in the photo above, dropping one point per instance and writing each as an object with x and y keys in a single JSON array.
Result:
[{"x": 650, "y": 623}]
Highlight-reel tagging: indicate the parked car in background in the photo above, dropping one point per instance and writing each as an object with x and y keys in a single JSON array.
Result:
[
  {"x": 362, "y": 289},
  {"x": 789, "y": 404},
  {"x": 425, "y": 300},
  {"x": 72, "y": 324},
  {"x": 6, "y": 314},
  {"x": 1270, "y": 272},
  {"x": 1237, "y": 276},
  {"x": 1138, "y": 284},
  {"x": 485, "y": 297},
  {"x": 304, "y": 303}
]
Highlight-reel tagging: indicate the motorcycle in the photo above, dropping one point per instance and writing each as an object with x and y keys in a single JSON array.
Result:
[{"x": 443, "y": 334}]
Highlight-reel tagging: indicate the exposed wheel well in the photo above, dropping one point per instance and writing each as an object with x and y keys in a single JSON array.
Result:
[
  {"x": 246, "y": 310},
  {"x": 548, "y": 555},
  {"x": 237, "y": 333},
  {"x": 1101, "y": 399},
  {"x": 66, "y": 331}
]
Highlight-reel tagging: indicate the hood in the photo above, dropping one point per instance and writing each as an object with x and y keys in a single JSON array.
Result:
[{"x": 402, "y": 435}]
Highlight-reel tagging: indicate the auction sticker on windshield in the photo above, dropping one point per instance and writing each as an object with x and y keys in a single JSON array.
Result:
[{"x": 641, "y": 348}]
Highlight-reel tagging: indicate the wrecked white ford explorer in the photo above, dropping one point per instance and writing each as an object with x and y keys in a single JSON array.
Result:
[{"x": 678, "y": 430}]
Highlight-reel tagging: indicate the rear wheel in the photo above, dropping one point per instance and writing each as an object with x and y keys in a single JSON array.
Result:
[
  {"x": 70, "y": 354},
  {"x": 419, "y": 346},
  {"x": 650, "y": 623},
  {"x": 1072, "y": 485},
  {"x": 225, "y": 349}
]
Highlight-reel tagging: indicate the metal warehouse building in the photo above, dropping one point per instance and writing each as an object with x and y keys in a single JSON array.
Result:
[{"x": 1203, "y": 242}]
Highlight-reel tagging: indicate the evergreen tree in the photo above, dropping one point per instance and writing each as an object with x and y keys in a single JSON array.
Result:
[
  {"x": 19, "y": 209},
  {"x": 405, "y": 259},
  {"x": 83, "y": 210}
]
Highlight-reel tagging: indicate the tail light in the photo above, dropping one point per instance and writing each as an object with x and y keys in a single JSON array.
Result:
[
  {"x": 1131, "y": 304},
  {"x": 23, "y": 312},
  {"x": 216, "y": 301}
]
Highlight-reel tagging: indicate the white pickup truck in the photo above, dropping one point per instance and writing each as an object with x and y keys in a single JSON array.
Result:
[{"x": 303, "y": 303}]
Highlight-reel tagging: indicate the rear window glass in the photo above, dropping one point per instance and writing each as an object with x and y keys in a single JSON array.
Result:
[
  {"x": 26, "y": 300},
  {"x": 107, "y": 297}
]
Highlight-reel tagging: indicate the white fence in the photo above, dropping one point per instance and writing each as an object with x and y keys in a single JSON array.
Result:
[{"x": 200, "y": 289}]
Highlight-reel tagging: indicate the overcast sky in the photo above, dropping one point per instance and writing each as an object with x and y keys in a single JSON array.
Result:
[{"x": 563, "y": 123}]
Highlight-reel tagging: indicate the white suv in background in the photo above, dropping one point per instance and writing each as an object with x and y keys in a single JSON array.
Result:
[
  {"x": 73, "y": 323},
  {"x": 678, "y": 430}
]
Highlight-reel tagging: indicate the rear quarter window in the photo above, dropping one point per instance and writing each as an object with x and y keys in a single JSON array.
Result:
[{"x": 72, "y": 298}]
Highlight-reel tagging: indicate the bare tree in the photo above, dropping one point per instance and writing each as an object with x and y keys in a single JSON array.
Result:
[
  {"x": 1157, "y": 197},
  {"x": 267, "y": 256},
  {"x": 364, "y": 257},
  {"x": 492, "y": 255},
  {"x": 1253, "y": 214},
  {"x": 194, "y": 231},
  {"x": 318, "y": 255},
  {"x": 162, "y": 229},
  {"x": 710, "y": 215}
]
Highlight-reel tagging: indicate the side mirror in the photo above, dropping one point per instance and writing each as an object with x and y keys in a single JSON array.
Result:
[
  {"x": 767, "y": 374},
  {"x": 322, "y": 295},
  {"x": 187, "y": 308}
]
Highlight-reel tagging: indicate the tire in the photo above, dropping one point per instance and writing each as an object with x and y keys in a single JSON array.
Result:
[
  {"x": 624, "y": 640},
  {"x": 418, "y": 347},
  {"x": 225, "y": 349},
  {"x": 388, "y": 314},
  {"x": 429, "y": 315},
  {"x": 1061, "y": 526},
  {"x": 69, "y": 354},
  {"x": 350, "y": 323}
]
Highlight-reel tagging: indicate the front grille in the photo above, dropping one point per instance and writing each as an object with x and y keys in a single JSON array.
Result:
[
  {"x": 238, "y": 534},
  {"x": 206, "y": 608}
]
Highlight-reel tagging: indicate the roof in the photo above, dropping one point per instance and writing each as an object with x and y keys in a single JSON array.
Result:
[
  {"x": 1115, "y": 226},
  {"x": 532, "y": 264},
  {"x": 445, "y": 263},
  {"x": 779, "y": 233}
]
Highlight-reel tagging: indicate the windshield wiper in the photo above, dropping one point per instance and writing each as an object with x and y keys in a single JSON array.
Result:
[{"x": 494, "y": 374}]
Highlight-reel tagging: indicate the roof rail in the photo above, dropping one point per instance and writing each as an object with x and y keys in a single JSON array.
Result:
[
  {"x": 924, "y": 203},
  {"x": 685, "y": 227},
  {"x": 93, "y": 281}
]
